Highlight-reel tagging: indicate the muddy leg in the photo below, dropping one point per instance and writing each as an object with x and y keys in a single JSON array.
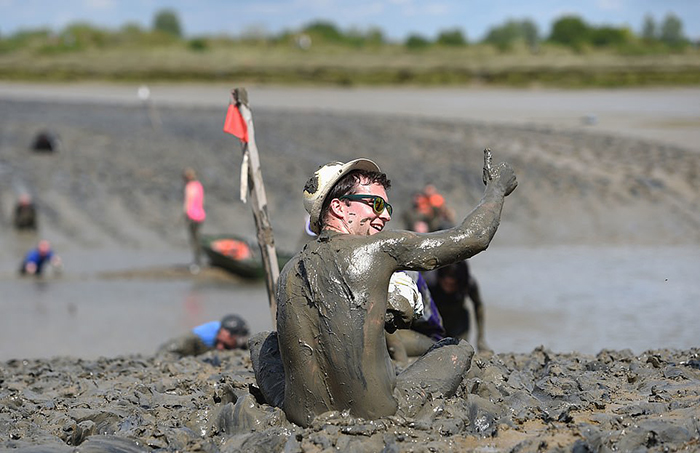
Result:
[
  {"x": 397, "y": 351},
  {"x": 475, "y": 296},
  {"x": 416, "y": 344},
  {"x": 268, "y": 368},
  {"x": 439, "y": 371}
]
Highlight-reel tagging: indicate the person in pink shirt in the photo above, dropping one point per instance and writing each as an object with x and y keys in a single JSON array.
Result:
[{"x": 194, "y": 214}]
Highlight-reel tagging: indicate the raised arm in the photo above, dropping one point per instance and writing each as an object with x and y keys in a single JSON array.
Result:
[{"x": 416, "y": 251}]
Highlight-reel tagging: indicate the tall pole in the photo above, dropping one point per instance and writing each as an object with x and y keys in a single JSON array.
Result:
[{"x": 258, "y": 201}]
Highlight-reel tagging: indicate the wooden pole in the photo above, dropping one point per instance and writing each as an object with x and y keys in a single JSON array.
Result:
[{"x": 258, "y": 202}]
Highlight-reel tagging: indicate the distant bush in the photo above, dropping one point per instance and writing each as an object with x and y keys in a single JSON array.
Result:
[
  {"x": 354, "y": 38},
  {"x": 454, "y": 38},
  {"x": 609, "y": 36},
  {"x": 505, "y": 36},
  {"x": 416, "y": 42},
  {"x": 666, "y": 37},
  {"x": 166, "y": 21},
  {"x": 649, "y": 29},
  {"x": 374, "y": 37},
  {"x": 85, "y": 35},
  {"x": 322, "y": 31},
  {"x": 131, "y": 33},
  {"x": 198, "y": 44},
  {"x": 570, "y": 31},
  {"x": 671, "y": 32},
  {"x": 25, "y": 39},
  {"x": 642, "y": 48}
]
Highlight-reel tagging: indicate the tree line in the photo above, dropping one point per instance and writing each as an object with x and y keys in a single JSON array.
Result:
[{"x": 569, "y": 31}]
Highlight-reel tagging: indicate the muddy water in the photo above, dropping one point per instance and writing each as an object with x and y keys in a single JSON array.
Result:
[
  {"x": 566, "y": 299},
  {"x": 96, "y": 308},
  {"x": 586, "y": 299}
]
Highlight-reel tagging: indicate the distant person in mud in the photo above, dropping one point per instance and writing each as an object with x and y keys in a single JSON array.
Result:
[
  {"x": 37, "y": 258},
  {"x": 46, "y": 142},
  {"x": 195, "y": 215},
  {"x": 25, "y": 213},
  {"x": 229, "y": 333},
  {"x": 428, "y": 211},
  {"x": 332, "y": 300},
  {"x": 452, "y": 287}
]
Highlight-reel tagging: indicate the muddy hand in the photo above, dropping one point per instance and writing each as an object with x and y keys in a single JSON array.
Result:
[
  {"x": 487, "y": 166},
  {"x": 502, "y": 174}
]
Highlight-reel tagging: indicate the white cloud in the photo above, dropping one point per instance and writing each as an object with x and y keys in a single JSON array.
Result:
[
  {"x": 99, "y": 4},
  {"x": 437, "y": 9},
  {"x": 610, "y": 5}
]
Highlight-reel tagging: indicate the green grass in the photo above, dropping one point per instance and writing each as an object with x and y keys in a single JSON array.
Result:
[{"x": 340, "y": 65}]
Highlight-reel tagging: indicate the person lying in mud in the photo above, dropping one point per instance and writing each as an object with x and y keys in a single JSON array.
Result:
[
  {"x": 36, "y": 259},
  {"x": 332, "y": 300},
  {"x": 229, "y": 333}
]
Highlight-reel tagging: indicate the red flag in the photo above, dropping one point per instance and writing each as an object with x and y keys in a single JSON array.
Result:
[{"x": 234, "y": 123}]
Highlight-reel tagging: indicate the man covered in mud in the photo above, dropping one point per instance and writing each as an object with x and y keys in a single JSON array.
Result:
[
  {"x": 231, "y": 332},
  {"x": 332, "y": 299}
]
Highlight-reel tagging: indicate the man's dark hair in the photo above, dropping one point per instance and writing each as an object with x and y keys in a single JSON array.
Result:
[{"x": 348, "y": 184}]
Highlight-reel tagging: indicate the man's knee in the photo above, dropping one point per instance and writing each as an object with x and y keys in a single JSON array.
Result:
[
  {"x": 267, "y": 365},
  {"x": 439, "y": 372},
  {"x": 441, "y": 368}
]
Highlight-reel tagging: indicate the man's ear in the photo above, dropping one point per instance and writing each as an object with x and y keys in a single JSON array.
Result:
[{"x": 337, "y": 208}]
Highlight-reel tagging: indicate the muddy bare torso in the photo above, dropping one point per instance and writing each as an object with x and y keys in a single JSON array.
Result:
[{"x": 331, "y": 330}]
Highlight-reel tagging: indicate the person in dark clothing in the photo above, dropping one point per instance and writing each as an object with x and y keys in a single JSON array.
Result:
[
  {"x": 25, "y": 213},
  {"x": 450, "y": 287}
]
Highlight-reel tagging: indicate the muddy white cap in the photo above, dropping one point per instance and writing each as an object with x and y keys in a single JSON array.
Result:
[{"x": 323, "y": 180}]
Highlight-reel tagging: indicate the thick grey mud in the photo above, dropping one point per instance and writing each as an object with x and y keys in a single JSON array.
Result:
[
  {"x": 632, "y": 192},
  {"x": 507, "y": 402}
]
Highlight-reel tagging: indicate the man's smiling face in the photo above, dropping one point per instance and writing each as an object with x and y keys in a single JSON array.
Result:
[{"x": 360, "y": 216}]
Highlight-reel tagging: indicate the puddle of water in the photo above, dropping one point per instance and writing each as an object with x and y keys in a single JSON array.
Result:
[{"x": 567, "y": 299}]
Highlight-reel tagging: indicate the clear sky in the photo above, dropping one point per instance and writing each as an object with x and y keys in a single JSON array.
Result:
[{"x": 397, "y": 18}]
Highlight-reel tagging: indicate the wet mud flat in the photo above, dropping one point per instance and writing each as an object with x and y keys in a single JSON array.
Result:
[
  {"x": 542, "y": 401},
  {"x": 115, "y": 181}
]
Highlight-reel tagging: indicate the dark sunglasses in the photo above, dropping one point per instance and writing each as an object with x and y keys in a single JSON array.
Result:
[{"x": 378, "y": 203}]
